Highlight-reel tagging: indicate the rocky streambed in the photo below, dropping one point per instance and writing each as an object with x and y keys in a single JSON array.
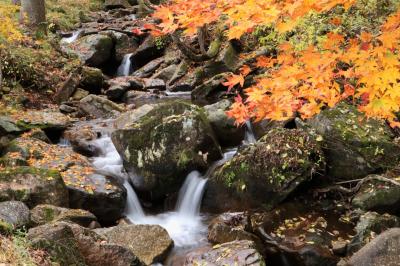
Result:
[{"x": 140, "y": 165}]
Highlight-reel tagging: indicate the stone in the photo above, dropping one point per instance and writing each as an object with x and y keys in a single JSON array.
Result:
[
  {"x": 148, "y": 69},
  {"x": 98, "y": 107},
  {"x": 146, "y": 52},
  {"x": 241, "y": 253},
  {"x": 227, "y": 132},
  {"x": 265, "y": 173},
  {"x": 8, "y": 126},
  {"x": 166, "y": 73},
  {"x": 79, "y": 94},
  {"x": 111, "y": 4},
  {"x": 210, "y": 90},
  {"x": 140, "y": 98},
  {"x": 383, "y": 250},
  {"x": 354, "y": 145},
  {"x": 33, "y": 186},
  {"x": 43, "y": 119},
  {"x": 93, "y": 50},
  {"x": 92, "y": 79},
  {"x": 13, "y": 215},
  {"x": 150, "y": 243},
  {"x": 370, "y": 225},
  {"x": 67, "y": 88},
  {"x": 46, "y": 213},
  {"x": 103, "y": 196},
  {"x": 59, "y": 241},
  {"x": 154, "y": 84},
  {"x": 164, "y": 145}
]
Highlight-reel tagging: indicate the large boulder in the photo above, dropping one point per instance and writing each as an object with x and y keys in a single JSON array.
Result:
[
  {"x": 370, "y": 225},
  {"x": 242, "y": 253},
  {"x": 379, "y": 196},
  {"x": 354, "y": 145},
  {"x": 224, "y": 127},
  {"x": 265, "y": 173},
  {"x": 103, "y": 196},
  {"x": 46, "y": 213},
  {"x": 94, "y": 106},
  {"x": 33, "y": 186},
  {"x": 163, "y": 144},
  {"x": 13, "y": 215},
  {"x": 150, "y": 243},
  {"x": 94, "y": 50},
  {"x": 92, "y": 79},
  {"x": 383, "y": 250},
  {"x": 43, "y": 119}
]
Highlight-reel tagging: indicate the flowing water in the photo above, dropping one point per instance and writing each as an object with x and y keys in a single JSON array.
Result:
[
  {"x": 75, "y": 35},
  {"x": 249, "y": 136},
  {"x": 126, "y": 66}
]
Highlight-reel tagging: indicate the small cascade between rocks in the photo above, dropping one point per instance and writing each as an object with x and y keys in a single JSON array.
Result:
[
  {"x": 126, "y": 66},
  {"x": 185, "y": 225},
  {"x": 73, "y": 38},
  {"x": 249, "y": 136}
]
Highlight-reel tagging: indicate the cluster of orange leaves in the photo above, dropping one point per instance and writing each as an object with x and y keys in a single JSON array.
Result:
[{"x": 365, "y": 70}]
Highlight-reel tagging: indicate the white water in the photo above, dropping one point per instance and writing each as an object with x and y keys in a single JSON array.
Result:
[
  {"x": 64, "y": 143},
  {"x": 74, "y": 37},
  {"x": 249, "y": 136},
  {"x": 126, "y": 65}
]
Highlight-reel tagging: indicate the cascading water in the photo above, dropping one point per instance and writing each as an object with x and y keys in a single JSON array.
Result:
[
  {"x": 126, "y": 65},
  {"x": 249, "y": 136},
  {"x": 185, "y": 225},
  {"x": 75, "y": 35}
]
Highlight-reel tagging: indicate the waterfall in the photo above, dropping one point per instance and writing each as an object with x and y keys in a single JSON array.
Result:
[
  {"x": 125, "y": 68},
  {"x": 64, "y": 143},
  {"x": 74, "y": 37},
  {"x": 110, "y": 163},
  {"x": 249, "y": 136}
]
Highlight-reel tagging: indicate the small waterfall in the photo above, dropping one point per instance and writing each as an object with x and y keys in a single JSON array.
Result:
[
  {"x": 75, "y": 35},
  {"x": 110, "y": 163},
  {"x": 190, "y": 195},
  {"x": 64, "y": 143},
  {"x": 249, "y": 136},
  {"x": 126, "y": 65}
]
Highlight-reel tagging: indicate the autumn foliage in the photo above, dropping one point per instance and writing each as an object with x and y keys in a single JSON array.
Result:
[
  {"x": 8, "y": 27},
  {"x": 364, "y": 70}
]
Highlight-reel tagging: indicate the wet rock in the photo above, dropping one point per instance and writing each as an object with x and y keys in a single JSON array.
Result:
[
  {"x": 231, "y": 253},
  {"x": 163, "y": 145},
  {"x": 166, "y": 73},
  {"x": 378, "y": 196},
  {"x": 59, "y": 241},
  {"x": 43, "y": 119},
  {"x": 68, "y": 109},
  {"x": 33, "y": 186},
  {"x": 370, "y": 225},
  {"x": 148, "y": 69},
  {"x": 150, "y": 243},
  {"x": 229, "y": 227},
  {"x": 8, "y": 126},
  {"x": 354, "y": 145},
  {"x": 139, "y": 98},
  {"x": 94, "y": 50},
  {"x": 154, "y": 84},
  {"x": 383, "y": 250},
  {"x": 68, "y": 88},
  {"x": 13, "y": 215},
  {"x": 146, "y": 52},
  {"x": 79, "y": 94},
  {"x": 46, "y": 213},
  {"x": 92, "y": 79},
  {"x": 103, "y": 196},
  {"x": 99, "y": 107},
  {"x": 123, "y": 44},
  {"x": 210, "y": 90},
  {"x": 111, "y": 4},
  {"x": 224, "y": 127},
  {"x": 265, "y": 173}
]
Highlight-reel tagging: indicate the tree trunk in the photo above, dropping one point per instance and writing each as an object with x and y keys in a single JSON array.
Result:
[{"x": 33, "y": 11}]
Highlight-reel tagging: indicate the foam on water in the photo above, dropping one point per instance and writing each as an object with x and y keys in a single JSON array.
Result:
[
  {"x": 74, "y": 37},
  {"x": 126, "y": 65}
]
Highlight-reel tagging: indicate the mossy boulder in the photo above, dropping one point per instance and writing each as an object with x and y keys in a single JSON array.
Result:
[
  {"x": 33, "y": 186},
  {"x": 164, "y": 144},
  {"x": 46, "y": 213},
  {"x": 370, "y": 225},
  {"x": 13, "y": 215},
  {"x": 92, "y": 79},
  {"x": 378, "y": 196},
  {"x": 354, "y": 145},
  {"x": 265, "y": 173},
  {"x": 93, "y": 50},
  {"x": 103, "y": 196}
]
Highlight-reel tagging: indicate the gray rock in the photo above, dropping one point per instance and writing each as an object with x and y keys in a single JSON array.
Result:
[
  {"x": 111, "y": 4},
  {"x": 150, "y": 243},
  {"x": 148, "y": 69},
  {"x": 354, "y": 145},
  {"x": 13, "y": 215},
  {"x": 92, "y": 79},
  {"x": 146, "y": 52},
  {"x": 166, "y": 73},
  {"x": 232, "y": 253},
  {"x": 383, "y": 250},
  {"x": 265, "y": 173},
  {"x": 33, "y": 186},
  {"x": 46, "y": 213},
  {"x": 98, "y": 107},
  {"x": 210, "y": 90},
  {"x": 224, "y": 127},
  {"x": 165, "y": 144}
]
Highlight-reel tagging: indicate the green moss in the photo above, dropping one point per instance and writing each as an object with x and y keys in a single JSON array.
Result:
[{"x": 5, "y": 228}]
